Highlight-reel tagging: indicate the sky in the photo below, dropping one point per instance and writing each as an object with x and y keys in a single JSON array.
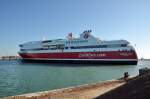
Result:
[{"x": 31, "y": 20}]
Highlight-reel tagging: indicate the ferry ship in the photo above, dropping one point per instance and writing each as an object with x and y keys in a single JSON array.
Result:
[{"x": 84, "y": 49}]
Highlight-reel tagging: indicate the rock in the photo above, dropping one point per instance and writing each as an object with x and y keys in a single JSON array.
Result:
[{"x": 144, "y": 71}]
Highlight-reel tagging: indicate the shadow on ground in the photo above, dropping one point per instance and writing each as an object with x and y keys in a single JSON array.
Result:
[{"x": 138, "y": 88}]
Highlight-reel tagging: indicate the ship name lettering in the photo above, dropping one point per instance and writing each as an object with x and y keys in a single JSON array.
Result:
[{"x": 91, "y": 55}]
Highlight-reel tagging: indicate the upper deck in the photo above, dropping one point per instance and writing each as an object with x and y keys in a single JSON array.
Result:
[{"x": 85, "y": 41}]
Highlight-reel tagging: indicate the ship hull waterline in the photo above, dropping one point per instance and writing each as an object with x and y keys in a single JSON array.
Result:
[{"x": 100, "y": 62}]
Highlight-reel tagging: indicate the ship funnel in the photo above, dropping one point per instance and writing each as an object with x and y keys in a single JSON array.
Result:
[{"x": 86, "y": 34}]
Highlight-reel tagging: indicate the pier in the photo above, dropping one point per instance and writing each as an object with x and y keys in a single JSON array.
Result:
[{"x": 9, "y": 57}]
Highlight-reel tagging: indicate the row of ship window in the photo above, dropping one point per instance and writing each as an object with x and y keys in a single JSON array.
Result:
[
  {"x": 76, "y": 41},
  {"x": 68, "y": 42},
  {"x": 77, "y": 47},
  {"x": 99, "y": 46}
]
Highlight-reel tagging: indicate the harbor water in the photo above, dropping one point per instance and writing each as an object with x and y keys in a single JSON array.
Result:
[{"x": 17, "y": 77}]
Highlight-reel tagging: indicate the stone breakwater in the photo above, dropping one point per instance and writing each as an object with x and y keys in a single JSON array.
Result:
[{"x": 87, "y": 91}]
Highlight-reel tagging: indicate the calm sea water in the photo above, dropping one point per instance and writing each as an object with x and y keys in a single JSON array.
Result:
[{"x": 17, "y": 77}]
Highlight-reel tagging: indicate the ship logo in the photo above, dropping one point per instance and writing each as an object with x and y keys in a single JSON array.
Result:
[{"x": 86, "y": 35}]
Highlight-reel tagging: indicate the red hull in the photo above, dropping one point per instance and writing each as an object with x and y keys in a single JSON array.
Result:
[
  {"x": 113, "y": 57},
  {"x": 81, "y": 55}
]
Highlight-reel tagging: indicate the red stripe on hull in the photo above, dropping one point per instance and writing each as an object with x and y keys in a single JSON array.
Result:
[{"x": 82, "y": 55}]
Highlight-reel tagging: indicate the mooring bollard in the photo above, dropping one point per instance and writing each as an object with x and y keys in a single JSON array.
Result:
[{"x": 126, "y": 76}]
